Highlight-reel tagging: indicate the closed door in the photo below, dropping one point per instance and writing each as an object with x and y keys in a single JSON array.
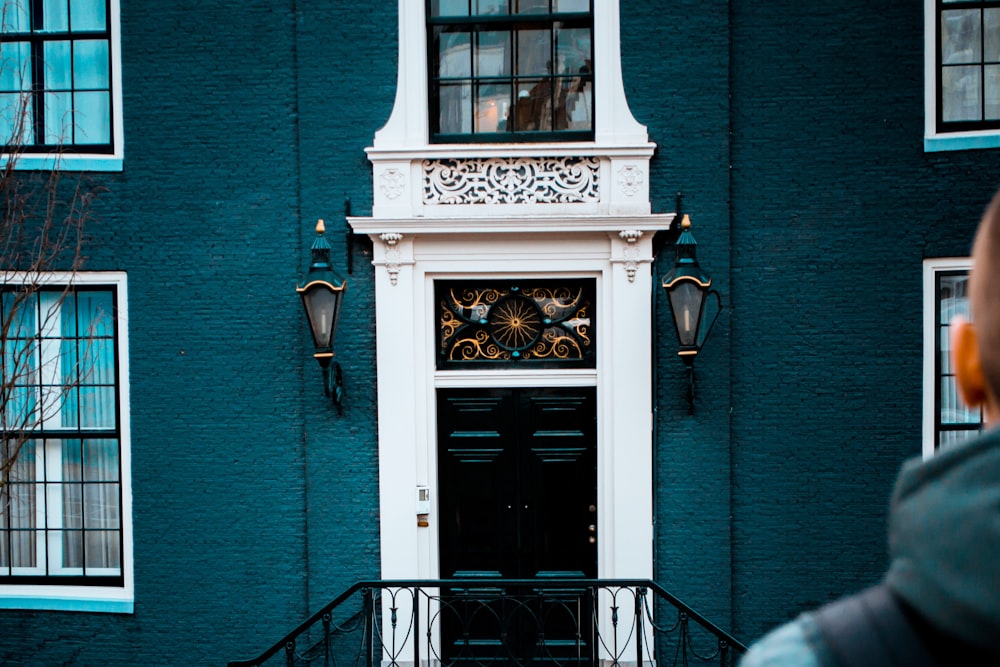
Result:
[{"x": 517, "y": 477}]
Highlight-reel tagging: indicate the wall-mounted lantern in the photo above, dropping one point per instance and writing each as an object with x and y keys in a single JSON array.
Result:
[
  {"x": 322, "y": 292},
  {"x": 694, "y": 305}
]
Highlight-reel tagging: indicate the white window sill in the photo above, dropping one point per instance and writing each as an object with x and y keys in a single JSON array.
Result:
[
  {"x": 66, "y": 162},
  {"x": 97, "y": 599},
  {"x": 961, "y": 141}
]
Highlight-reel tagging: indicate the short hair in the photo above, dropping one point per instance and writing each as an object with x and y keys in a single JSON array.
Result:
[{"x": 984, "y": 289}]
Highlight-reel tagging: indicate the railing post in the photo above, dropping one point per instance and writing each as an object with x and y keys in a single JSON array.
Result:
[
  {"x": 416, "y": 626},
  {"x": 368, "y": 595},
  {"x": 640, "y": 594},
  {"x": 290, "y": 654},
  {"x": 326, "y": 640}
]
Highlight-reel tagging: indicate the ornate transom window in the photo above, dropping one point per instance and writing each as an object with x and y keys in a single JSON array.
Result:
[{"x": 538, "y": 322}]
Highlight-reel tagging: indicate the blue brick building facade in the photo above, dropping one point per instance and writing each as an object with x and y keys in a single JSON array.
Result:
[{"x": 796, "y": 136}]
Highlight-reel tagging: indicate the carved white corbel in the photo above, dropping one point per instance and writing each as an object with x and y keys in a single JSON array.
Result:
[
  {"x": 630, "y": 252},
  {"x": 392, "y": 254}
]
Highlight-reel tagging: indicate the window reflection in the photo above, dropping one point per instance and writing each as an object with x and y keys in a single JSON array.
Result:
[{"x": 496, "y": 79}]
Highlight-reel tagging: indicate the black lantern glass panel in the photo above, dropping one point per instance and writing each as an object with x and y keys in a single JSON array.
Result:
[
  {"x": 322, "y": 305},
  {"x": 686, "y": 298}
]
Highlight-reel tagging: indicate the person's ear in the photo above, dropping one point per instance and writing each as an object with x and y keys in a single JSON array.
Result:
[{"x": 966, "y": 363}]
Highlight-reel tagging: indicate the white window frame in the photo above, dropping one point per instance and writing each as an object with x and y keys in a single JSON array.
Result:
[
  {"x": 83, "y": 161},
  {"x": 931, "y": 383},
  {"x": 117, "y": 599},
  {"x": 944, "y": 141}
]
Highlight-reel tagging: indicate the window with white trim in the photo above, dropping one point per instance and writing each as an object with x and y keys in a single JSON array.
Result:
[
  {"x": 511, "y": 70},
  {"x": 948, "y": 421},
  {"x": 64, "y": 492},
  {"x": 59, "y": 81}
]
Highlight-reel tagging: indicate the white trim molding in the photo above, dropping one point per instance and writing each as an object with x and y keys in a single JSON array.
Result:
[{"x": 526, "y": 210}]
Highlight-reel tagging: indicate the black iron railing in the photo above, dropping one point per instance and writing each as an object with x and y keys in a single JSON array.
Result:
[{"x": 494, "y": 622}]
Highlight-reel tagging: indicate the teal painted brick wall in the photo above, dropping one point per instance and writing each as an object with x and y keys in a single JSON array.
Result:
[
  {"x": 675, "y": 60},
  {"x": 244, "y": 478},
  {"x": 835, "y": 205},
  {"x": 795, "y": 133}
]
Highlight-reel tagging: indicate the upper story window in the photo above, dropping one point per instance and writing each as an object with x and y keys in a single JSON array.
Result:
[
  {"x": 64, "y": 495},
  {"x": 969, "y": 62},
  {"x": 948, "y": 421},
  {"x": 510, "y": 70},
  {"x": 59, "y": 84},
  {"x": 963, "y": 81}
]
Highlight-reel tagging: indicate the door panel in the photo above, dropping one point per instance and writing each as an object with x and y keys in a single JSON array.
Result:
[
  {"x": 477, "y": 467},
  {"x": 559, "y": 486},
  {"x": 517, "y": 478}
]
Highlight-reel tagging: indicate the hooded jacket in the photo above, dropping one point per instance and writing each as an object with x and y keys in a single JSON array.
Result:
[
  {"x": 944, "y": 540},
  {"x": 944, "y": 548}
]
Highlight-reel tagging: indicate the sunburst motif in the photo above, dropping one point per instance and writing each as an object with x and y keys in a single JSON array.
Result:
[{"x": 515, "y": 323}]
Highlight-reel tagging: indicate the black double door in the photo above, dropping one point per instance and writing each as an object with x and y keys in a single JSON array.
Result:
[{"x": 517, "y": 479}]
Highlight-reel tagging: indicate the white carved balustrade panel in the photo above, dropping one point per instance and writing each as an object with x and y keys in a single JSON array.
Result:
[{"x": 557, "y": 180}]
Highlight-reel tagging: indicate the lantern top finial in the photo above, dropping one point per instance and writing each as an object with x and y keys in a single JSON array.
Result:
[
  {"x": 685, "y": 221},
  {"x": 320, "y": 226}
]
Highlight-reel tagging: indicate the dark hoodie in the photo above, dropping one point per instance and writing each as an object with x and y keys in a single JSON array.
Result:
[{"x": 944, "y": 541}]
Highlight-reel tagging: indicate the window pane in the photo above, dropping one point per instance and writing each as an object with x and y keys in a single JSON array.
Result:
[
  {"x": 534, "y": 52},
  {"x": 93, "y": 118},
  {"x": 532, "y": 6},
  {"x": 97, "y": 407},
  {"x": 491, "y": 107},
  {"x": 492, "y": 56},
  {"x": 55, "y": 16},
  {"x": 14, "y": 109},
  {"x": 72, "y": 460},
  {"x": 953, "y": 294},
  {"x": 103, "y": 549},
  {"x": 96, "y": 363},
  {"x": 567, "y": 6},
  {"x": 4, "y": 526},
  {"x": 101, "y": 506},
  {"x": 454, "y": 54},
  {"x": 573, "y": 51},
  {"x": 58, "y": 118},
  {"x": 449, "y": 7},
  {"x": 21, "y": 309},
  {"x": 16, "y": 16},
  {"x": 72, "y": 506},
  {"x": 95, "y": 312},
  {"x": 579, "y": 105},
  {"x": 491, "y": 7},
  {"x": 533, "y": 110},
  {"x": 960, "y": 36},
  {"x": 15, "y": 66},
  {"x": 991, "y": 31},
  {"x": 88, "y": 15},
  {"x": 953, "y": 411},
  {"x": 456, "y": 109},
  {"x": 72, "y": 546},
  {"x": 100, "y": 460},
  {"x": 58, "y": 72},
  {"x": 961, "y": 88},
  {"x": 949, "y": 439},
  {"x": 24, "y": 548},
  {"x": 991, "y": 93},
  {"x": 90, "y": 64}
]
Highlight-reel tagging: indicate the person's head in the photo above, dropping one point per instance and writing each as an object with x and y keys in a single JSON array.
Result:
[{"x": 975, "y": 346}]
